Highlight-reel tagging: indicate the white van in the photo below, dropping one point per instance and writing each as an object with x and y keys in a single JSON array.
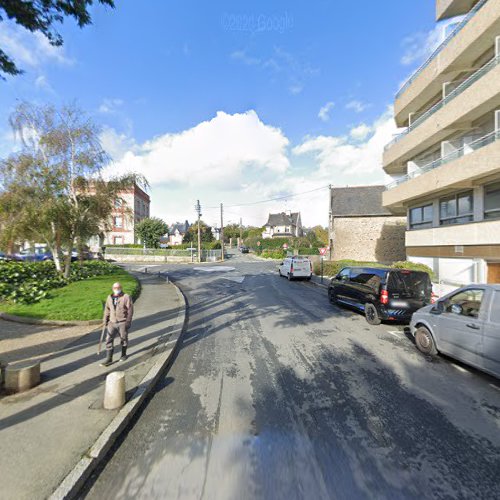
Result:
[{"x": 296, "y": 267}]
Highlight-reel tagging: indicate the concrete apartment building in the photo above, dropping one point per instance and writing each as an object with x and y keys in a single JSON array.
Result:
[
  {"x": 362, "y": 229},
  {"x": 446, "y": 162},
  {"x": 131, "y": 206}
]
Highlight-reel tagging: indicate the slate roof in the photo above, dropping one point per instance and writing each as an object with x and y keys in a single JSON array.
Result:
[
  {"x": 182, "y": 227},
  {"x": 361, "y": 201},
  {"x": 283, "y": 219}
]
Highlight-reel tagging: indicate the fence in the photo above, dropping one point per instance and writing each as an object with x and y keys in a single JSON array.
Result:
[{"x": 161, "y": 254}]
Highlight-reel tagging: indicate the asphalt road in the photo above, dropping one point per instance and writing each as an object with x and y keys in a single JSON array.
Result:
[{"x": 277, "y": 394}]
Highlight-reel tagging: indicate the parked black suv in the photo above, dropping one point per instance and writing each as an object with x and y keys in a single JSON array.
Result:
[{"x": 383, "y": 294}]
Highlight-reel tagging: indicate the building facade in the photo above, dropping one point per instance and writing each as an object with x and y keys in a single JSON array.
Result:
[
  {"x": 131, "y": 206},
  {"x": 177, "y": 232},
  {"x": 362, "y": 229},
  {"x": 285, "y": 224},
  {"x": 446, "y": 161}
]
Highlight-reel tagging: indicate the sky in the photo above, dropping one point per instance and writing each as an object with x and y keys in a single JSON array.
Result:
[{"x": 232, "y": 102}]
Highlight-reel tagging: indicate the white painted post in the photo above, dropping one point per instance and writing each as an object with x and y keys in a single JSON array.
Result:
[{"x": 114, "y": 391}]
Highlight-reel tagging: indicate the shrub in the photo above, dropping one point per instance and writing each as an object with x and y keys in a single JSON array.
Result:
[
  {"x": 29, "y": 282},
  {"x": 273, "y": 254},
  {"x": 415, "y": 266},
  {"x": 332, "y": 267}
]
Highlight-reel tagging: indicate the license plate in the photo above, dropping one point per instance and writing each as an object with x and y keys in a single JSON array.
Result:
[{"x": 399, "y": 303}]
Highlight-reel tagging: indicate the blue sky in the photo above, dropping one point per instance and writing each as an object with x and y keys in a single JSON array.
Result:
[{"x": 232, "y": 101}]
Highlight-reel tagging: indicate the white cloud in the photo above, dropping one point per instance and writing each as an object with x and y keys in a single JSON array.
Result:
[
  {"x": 215, "y": 152},
  {"x": 357, "y": 106},
  {"x": 110, "y": 105},
  {"x": 324, "y": 112},
  {"x": 237, "y": 159},
  {"x": 360, "y": 132},
  {"x": 42, "y": 83},
  {"x": 29, "y": 49},
  {"x": 343, "y": 161},
  {"x": 419, "y": 46}
]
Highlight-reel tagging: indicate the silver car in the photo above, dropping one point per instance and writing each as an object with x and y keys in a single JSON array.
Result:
[{"x": 465, "y": 325}]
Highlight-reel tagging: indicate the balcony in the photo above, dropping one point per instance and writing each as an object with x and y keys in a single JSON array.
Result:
[
  {"x": 461, "y": 169},
  {"x": 461, "y": 113},
  {"x": 464, "y": 85},
  {"x": 475, "y": 233},
  {"x": 457, "y": 54},
  {"x": 451, "y": 8}
]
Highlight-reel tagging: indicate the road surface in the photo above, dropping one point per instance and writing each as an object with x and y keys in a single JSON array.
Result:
[{"x": 276, "y": 394}]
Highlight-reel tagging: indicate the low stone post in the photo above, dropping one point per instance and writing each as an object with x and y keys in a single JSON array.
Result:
[
  {"x": 114, "y": 391},
  {"x": 21, "y": 376}
]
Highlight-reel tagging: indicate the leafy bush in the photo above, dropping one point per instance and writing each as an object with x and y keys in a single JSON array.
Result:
[
  {"x": 273, "y": 254},
  {"x": 29, "y": 282},
  {"x": 126, "y": 245},
  {"x": 415, "y": 266},
  {"x": 308, "y": 251},
  {"x": 332, "y": 267}
]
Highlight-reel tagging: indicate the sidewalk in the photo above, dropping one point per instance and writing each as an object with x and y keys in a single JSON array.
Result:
[{"x": 45, "y": 432}]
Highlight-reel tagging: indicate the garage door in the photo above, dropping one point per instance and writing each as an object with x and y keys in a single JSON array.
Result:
[{"x": 493, "y": 273}]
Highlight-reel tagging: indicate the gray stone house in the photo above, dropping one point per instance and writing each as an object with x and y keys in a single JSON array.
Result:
[{"x": 362, "y": 229}]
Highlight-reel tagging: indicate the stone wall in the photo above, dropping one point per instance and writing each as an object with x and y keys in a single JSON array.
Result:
[{"x": 371, "y": 239}]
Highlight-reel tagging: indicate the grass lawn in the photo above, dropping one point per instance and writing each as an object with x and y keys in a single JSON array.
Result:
[{"x": 80, "y": 300}]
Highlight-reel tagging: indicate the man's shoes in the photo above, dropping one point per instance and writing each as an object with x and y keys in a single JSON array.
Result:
[
  {"x": 124, "y": 354},
  {"x": 109, "y": 359}
]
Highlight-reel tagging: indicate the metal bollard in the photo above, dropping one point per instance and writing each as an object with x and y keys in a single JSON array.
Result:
[{"x": 114, "y": 391}]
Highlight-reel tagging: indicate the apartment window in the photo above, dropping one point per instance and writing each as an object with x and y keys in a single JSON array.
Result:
[
  {"x": 456, "y": 209},
  {"x": 421, "y": 217},
  {"x": 118, "y": 221},
  {"x": 118, "y": 240},
  {"x": 118, "y": 203},
  {"x": 492, "y": 201}
]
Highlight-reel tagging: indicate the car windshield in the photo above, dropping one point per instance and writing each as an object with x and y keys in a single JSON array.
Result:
[{"x": 412, "y": 283}]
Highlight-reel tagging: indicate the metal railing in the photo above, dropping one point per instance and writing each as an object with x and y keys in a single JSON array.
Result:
[
  {"x": 445, "y": 42},
  {"x": 477, "y": 144},
  {"x": 454, "y": 93}
]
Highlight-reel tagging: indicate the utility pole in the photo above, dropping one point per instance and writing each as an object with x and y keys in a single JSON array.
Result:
[
  {"x": 198, "y": 211},
  {"x": 241, "y": 233},
  {"x": 222, "y": 229}
]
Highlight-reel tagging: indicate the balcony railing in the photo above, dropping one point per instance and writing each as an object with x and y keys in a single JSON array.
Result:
[
  {"x": 477, "y": 144},
  {"x": 446, "y": 41},
  {"x": 454, "y": 93}
]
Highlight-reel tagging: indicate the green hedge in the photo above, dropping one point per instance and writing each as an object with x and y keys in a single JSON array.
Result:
[
  {"x": 332, "y": 268},
  {"x": 29, "y": 282}
]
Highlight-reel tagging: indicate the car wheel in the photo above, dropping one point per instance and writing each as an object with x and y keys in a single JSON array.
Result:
[
  {"x": 290, "y": 277},
  {"x": 332, "y": 297},
  {"x": 309, "y": 278},
  {"x": 371, "y": 315},
  {"x": 425, "y": 342}
]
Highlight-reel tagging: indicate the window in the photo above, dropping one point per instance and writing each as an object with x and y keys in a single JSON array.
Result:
[
  {"x": 456, "y": 209},
  {"x": 495, "y": 309},
  {"x": 492, "y": 201},
  {"x": 118, "y": 240},
  {"x": 344, "y": 274},
  {"x": 421, "y": 217},
  {"x": 118, "y": 221},
  {"x": 118, "y": 203},
  {"x": 466, "y": 303}
]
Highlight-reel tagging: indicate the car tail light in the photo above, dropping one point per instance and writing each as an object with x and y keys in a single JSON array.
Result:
[
  {"x": 384, "y": 297},
  {"x": 291, "y": 268},
  {"x": 311, "y": 266},
  {"x": 434, "y": 297}
]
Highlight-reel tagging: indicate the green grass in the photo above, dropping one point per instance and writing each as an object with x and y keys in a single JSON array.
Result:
[{"x": 78, "y": 301}]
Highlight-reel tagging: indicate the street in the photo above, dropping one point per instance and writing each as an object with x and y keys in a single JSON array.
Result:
[{"x": 275, "y": 393}]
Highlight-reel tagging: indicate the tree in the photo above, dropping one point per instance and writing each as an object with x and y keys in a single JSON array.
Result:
[
  {"x": 318, "y": 236},
  {"x": 192, "y": 234},
  {"x": 52, "y": 190},
  {"x": 41, "y": 16},
  {"x": 150, "y": 230}
]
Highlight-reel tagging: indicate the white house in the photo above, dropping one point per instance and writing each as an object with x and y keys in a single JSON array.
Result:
[
  {"x": 285, "y": 224},
  {"x": 177, "y": 232}
]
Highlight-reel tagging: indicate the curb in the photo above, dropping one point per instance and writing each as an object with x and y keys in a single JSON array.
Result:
[
  {"x": 74, "y": 481},
  {"x": 36, "y": 321}
]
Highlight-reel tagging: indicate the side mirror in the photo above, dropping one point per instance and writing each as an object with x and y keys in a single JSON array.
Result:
[
  {"x": 457, "y": 309},
  {"x": 438, "y": 308}
]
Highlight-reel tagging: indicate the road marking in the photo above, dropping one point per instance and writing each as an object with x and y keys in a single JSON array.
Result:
[
  {"x": 237, "y": 279},
  {"x": 495, "y": 387},
  {"x": 215, "y": 269},
  {"x": 395, "y": 334}
]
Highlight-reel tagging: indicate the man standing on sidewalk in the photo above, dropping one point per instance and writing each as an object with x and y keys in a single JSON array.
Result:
[{"x": 117, "y": 319}]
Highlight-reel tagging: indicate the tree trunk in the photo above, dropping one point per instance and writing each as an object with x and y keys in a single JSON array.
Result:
[
  {"x": 79, "y": 246},
  {"x": 67, "y": 258}
]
